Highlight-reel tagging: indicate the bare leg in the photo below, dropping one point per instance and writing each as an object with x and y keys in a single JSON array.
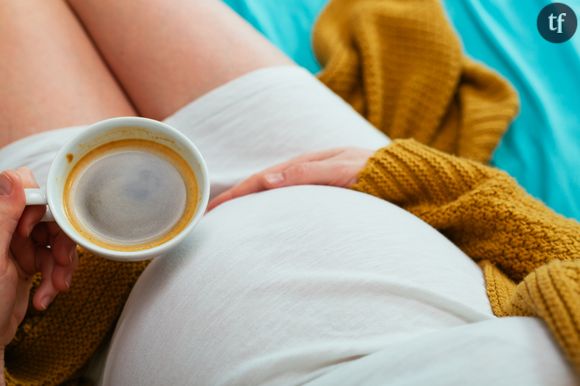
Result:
[
  {"x": 50, "y": 74},
  {"x": 167, "y": 53}
]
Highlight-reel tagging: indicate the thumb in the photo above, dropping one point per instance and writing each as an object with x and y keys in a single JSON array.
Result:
[{"x": 12, "y": 203}]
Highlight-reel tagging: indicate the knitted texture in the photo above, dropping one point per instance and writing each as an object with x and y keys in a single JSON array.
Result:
[
  {"x": 399, "y": 64},
  {"x": 530, "y": 255},
  {"x": 51, "y": 346}
]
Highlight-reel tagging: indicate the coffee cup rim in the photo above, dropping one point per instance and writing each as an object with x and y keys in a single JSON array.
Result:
[{"x": 56, "y": 180}]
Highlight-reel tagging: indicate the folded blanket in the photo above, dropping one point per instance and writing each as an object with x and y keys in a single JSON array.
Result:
[{"x": 400, "y": 65}]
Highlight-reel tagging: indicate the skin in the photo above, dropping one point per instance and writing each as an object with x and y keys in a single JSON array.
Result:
[
  {"x": 50, "y": 74},
  {"x": 167, "y": 53},
  {"x": 27, "y": 247},
  {"x": 336, "y": 167}
]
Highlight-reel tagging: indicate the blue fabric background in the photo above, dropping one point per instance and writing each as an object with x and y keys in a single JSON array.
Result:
[
  {"x": 286, "y": 23},
  {"x": 542, "y": 147}
]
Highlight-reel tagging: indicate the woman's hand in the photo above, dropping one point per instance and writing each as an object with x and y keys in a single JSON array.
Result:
[
  {"x": 28, "y": 246},
  {"x": 336, "y": 167}
]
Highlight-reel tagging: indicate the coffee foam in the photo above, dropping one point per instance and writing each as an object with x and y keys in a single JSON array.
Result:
[{"x": 130, "y": 195}]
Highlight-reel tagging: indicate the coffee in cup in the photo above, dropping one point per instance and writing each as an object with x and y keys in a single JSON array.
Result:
[
  {"x": 126, "y": 188},
  {"x": 130, "y": 195}
]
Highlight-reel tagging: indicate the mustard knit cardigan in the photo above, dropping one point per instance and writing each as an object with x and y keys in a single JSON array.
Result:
[{"x": 398, "y": 63}]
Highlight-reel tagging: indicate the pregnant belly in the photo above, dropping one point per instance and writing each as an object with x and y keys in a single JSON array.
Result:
[{"x": 281, "y": 286}]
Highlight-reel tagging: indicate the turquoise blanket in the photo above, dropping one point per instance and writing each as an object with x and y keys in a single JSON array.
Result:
[{"x": 541, "y": 149}]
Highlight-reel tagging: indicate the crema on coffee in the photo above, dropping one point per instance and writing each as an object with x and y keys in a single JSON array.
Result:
[{"x": 130, "y": 195}]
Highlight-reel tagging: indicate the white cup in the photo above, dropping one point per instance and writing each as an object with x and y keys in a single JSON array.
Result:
[{"x": 103, "y": 132}]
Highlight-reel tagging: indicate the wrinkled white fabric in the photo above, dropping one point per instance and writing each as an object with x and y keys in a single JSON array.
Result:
[{"x": 305, "y": 284}]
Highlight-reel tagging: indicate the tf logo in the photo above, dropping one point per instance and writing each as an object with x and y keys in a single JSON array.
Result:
[{"x": 557, "y": 22}]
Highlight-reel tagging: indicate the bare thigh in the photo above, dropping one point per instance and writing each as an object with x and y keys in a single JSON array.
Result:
[
  {"x": 167, "y": 53},
  {"x": 51, "y": 76}
]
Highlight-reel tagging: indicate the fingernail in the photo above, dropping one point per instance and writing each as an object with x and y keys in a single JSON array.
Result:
[
  {"x": 274, "y": 178},
  {"x": 45, "y": 302},
  {"x": 6, "y": 185}
]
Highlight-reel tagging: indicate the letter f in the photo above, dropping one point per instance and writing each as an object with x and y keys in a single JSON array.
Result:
[{"x": 560, "y": 21}]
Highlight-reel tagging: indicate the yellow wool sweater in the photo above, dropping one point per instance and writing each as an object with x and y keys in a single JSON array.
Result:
[{"x": 400, "y": 65}]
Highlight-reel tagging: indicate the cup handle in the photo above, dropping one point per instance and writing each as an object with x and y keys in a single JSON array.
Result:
[{"x": 38, "y": 197}]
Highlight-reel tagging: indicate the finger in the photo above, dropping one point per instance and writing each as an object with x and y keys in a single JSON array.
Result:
[
  {"x": 63, "y": 249},
  {"x": 253, "y": 184},
  {"x": 310, "y": 157},
  {"x": 24, "y": 253},
  {"x": 218, "y": 200},
  {"x": 12, "y": 204},
  {"x": 256, "y": 183},
  {"x": 310, "y": 173},
  {"x": 53, "y": 230},
  {"x": 27, "y": 178},
  {"x": 23, "y": 248},
  {"x": 46, "y": 292},
  {"x": 40, "y": 235},
  {"x": 62, "y": 275},
  {"x": 264, "y": 180},
  {"x": 31, "y": 216}
]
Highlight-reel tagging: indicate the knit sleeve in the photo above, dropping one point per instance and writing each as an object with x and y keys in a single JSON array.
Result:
[{"x": 480, "y": 209}]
